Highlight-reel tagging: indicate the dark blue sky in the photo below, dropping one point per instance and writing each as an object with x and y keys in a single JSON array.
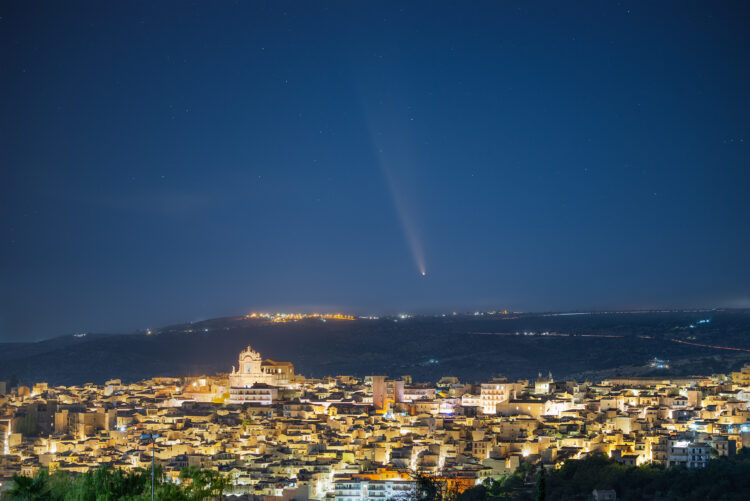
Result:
[{"x": 164, "y": 162}]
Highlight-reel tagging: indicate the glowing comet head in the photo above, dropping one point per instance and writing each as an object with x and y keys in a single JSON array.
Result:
[{"x": 424, "y": 273}]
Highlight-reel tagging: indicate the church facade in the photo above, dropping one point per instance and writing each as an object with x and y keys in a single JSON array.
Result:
[{"x": 254, "y": 369}]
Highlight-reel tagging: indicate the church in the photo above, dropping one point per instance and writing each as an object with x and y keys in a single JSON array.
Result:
[{"x": 253, "y": 369}]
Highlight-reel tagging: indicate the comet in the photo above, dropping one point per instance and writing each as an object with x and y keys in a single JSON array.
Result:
[
  {"x": 392, "y": 152},
  {"x": 407, "y": 224}
]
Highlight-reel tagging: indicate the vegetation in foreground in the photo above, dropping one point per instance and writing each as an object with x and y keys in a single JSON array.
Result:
[
  {"x": 108, "y": 484},
  {"x": 725, "y": 478}
]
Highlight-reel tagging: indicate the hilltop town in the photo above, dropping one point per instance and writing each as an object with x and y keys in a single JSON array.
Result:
[{"x": 274, "y": 433}]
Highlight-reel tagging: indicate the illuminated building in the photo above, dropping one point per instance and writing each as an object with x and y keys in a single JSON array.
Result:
[
  {"x": 379, "y": 393},
  {"x": 258, "y": 393},
  {"x": 205, "y": 389},
  {"x": 381, "y": 485},
  {"x": 497, "y": 391},
  {"x": 253, "y": 369},
  {"x": 742, "y": 377},
  {"x": 413, "y": 393},
  {"x": 688, "y": 454},
  {"x": 387, "y": 392},
  {"x": 543, "y": 385}
]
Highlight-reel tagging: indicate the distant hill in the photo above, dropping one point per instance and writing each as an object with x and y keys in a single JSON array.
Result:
[{"x": 474, "y": 348}]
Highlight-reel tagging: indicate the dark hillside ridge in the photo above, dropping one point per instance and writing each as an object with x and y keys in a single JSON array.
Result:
[{"x": 473, "y": 348}]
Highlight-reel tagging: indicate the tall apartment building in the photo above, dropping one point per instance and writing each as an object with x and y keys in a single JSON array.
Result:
[
  {"x": 689, "y": 454},
  {"x": 258, "y": 393},
  {"x": 386, "y": 392},
  {"x": 361, "y": 489},
  {"x": 495, "y": 392},
  {"x": 379, "y": 392}
]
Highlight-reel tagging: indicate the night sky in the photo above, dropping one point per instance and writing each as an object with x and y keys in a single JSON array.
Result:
[{"x": 164, "y": 162}]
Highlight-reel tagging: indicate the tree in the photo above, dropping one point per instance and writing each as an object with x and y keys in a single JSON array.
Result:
[
  {"x": 431, "y": 489},
  {"x": 110, "y": 484},
  {"x": 29, "y": 488},
  {"x": 203, "y": 484},
  {"x": 26, "y": 425},
  {"x": 541, "y": 485},
  {"x": 427, "y": 488}
]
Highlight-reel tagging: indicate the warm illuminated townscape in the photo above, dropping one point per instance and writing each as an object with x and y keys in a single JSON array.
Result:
[
  {"x": 337, "y": 250},
  {"x": 274, "y": 433}
]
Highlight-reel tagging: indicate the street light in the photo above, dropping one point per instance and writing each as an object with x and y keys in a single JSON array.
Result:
[{"x": 153, "y": 438}]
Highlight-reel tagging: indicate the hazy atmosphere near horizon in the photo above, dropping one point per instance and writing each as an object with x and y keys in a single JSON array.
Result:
[{"x": 163, "y": 162}]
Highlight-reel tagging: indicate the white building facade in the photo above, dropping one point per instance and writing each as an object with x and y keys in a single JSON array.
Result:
[{"x": 374, "y": 490}]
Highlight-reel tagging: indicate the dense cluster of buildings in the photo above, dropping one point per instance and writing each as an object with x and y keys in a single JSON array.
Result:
[
  {"x": 276, "y": 434},
  {"x": 294, "y": 317}
]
